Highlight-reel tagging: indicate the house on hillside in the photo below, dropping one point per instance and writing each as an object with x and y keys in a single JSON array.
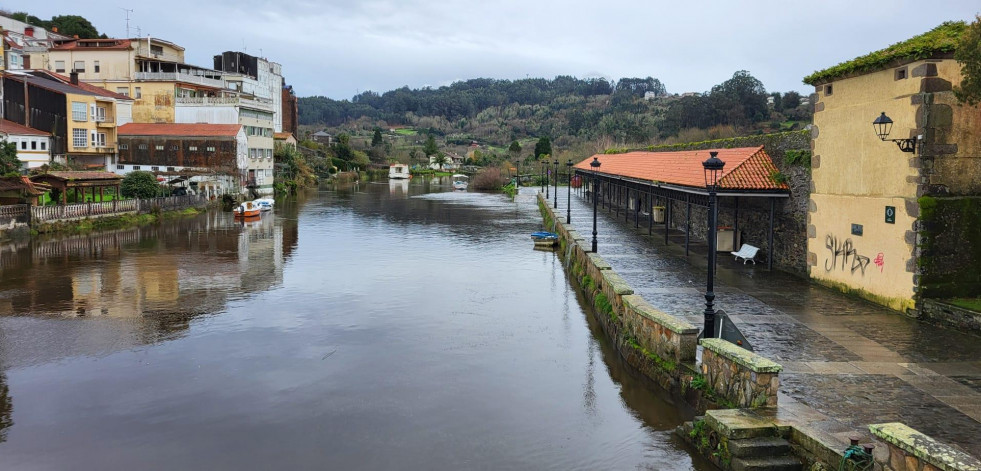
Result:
[
  {"x": 896, "y": 176},
  {"x": 322, "y": 137}
]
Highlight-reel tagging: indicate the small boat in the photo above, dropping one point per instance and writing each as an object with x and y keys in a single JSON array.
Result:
[
  {"x": 263, "y": 204},
  {"x": 460, "y": 182},
  {"x": 247, "y": 209},
  {"x": 545, "y": 239},
  {"x": 399, "y": 172},
  {"x": 268, "y": 201}
]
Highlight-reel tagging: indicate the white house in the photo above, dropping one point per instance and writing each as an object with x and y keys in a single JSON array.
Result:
[{"x": 33, "y": 146}]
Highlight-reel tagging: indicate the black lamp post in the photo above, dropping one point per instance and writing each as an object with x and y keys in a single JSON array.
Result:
[
  {"x": 595, "y": 164},
  {"x": 713, "y": 169},
  {"x": 555, "y": 163},
  {"x": 883, "y": 125},
  {"x": 548, "y": 179},
  {"x": 568, "y": 197}
]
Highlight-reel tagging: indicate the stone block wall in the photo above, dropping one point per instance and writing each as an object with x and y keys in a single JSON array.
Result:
[
  {"x": 910, "y": 450},
  {"x": 659, "y": 332},
  {"x": 739, "y": 376}
]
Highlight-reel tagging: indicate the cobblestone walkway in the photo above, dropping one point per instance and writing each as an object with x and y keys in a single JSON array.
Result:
[{"x": 847, "y": 362}]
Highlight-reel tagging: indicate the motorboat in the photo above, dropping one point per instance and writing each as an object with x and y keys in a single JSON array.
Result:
[
  {"x": 264, "y": 204},
  {"x": 247, "y": 209},
  {"x": 399, "y": 172},
  {"x": 545, "y": 239},
  {"x": 460, "y": 181}
]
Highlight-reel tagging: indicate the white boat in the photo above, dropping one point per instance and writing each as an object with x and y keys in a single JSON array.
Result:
[
  {"x": 460, "y": 182},
  {"x": 264, "y": 204},
  {"x": 398, "y": 172}
]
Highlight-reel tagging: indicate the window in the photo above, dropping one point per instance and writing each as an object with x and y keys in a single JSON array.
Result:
[
  {"x": 156, "y": 50},
  {"x": 159, "y": 147},
  {"x": 23, "y": 145},
  {"x": 60, "y": 66},
  {"x": 79, "y": 113},
  {"x": 136, "y": 167},
  {"x": 79, "y": 66},
  {"x": 142, "y": 146},
  {"x": 80, "y": 138},
  {"x": 122, "y": 90},
  {"x": 120, "y": 167},
  {"x": 124, "y": 147},
  {"x": 98, "y": 139},
  {"x": 137, "y": 92},
  {"x": 95, "y": 66},
  {"x": 33, "y": 145},
  {"x": 192, "y": 148},
  {"x": 170, "y": 169},
  {"x": 155, "y": 169},
  {"x": 44, "y": 145},
  {"x": 210, "y": 149},
  {"x": 828, "y": 90},
  {"x": 901, "y": 73}
]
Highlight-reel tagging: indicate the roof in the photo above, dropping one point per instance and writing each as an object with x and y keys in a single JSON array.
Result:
[
  {"x": 282, "y": 135},
  {"x": 747, "y": 168},
  {"x": 22, "y": 184},
  {"x": 178, "y": 129},
  {"x": 68, "y": 176},
  {"x": 939, "y": 41},
  {"x": 103, "y": 44},
  {"x": 10, "y": 127},
  {"x": 321, "y": 134},
  {"x": 51, "y": 84},
  {"x": 99, "y": 91}
]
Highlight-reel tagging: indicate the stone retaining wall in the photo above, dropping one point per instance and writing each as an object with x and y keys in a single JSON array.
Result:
[
  {"x": 947, "y": 314},
  {"x": 910, "y": 450},
  {"x": 739, "y": 376}
]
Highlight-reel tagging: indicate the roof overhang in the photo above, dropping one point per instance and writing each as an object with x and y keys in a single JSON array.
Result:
[{"x": 693, "y": 190}]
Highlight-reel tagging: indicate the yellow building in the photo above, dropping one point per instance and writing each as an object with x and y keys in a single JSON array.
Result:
[{"x": 866, "y": 232}]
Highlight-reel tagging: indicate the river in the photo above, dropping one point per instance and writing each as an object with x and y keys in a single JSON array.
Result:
[{"x": 374, "y": 326}]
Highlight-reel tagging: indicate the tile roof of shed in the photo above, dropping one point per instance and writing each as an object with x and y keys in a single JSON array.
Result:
[
  {"x": 747, "y": 168},
  {"x": 10, "y": 127},
  {"x": 179, "y": 129},
  {"x": 111, "y": 44},
  {"x": 80, "y": 176}
]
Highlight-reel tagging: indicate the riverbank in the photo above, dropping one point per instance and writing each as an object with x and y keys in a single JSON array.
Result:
[{"x": 122, "y": 221}]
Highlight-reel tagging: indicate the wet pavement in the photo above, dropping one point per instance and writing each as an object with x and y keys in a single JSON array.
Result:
[{"x": 847, "y": 362}]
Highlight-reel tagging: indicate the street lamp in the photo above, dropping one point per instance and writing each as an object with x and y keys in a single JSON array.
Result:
[
  {"x": 713, "y": 169},
  {"x": 568, "y": 198},
  {"x": 883, "y": 125},
  {"x": 556, "y": 164},
  {"x": 595, "y": 164},
  {"x": 548, "y": 180}
]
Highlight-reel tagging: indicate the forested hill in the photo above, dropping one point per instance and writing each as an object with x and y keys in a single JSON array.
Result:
[{"x": 629, "y": 110}]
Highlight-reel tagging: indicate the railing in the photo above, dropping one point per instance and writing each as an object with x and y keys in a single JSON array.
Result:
[
  {"x": 143, "y": 51},
  {"x": 236, "y": 101},
  {"x": 179, "y": 77},
  {"x": 13, "y": 210},
  {"x": 42, "y": 214}
]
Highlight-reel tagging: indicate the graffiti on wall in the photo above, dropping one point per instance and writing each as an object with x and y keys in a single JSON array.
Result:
[{"x": 843, "y": 252}]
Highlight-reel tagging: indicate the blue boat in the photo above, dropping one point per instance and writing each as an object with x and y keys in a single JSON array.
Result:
[{"x": 545, "y": 239}]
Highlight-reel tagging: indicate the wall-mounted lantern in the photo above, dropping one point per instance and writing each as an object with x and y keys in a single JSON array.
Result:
[{"x": 883, "y": 125}]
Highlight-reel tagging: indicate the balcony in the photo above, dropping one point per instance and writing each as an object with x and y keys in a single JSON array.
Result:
[
  {"x": 179, "y": 77},
  {"x": 169, "y": 57},
  {"x": 225, "y": 101},
  {"x": 105, "y": 122}
]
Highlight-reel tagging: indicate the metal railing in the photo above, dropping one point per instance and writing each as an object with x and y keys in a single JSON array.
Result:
[
  {"x": 237, "y": 101},
  {"x": 180, "y": 77},
  {"x": 67, "y": 212}
]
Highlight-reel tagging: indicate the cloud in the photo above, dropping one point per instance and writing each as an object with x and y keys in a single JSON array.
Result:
[{"x": 339, "y": 47}]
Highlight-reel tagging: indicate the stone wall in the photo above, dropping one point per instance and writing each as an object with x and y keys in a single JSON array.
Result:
[
  {"x": 949, "y": 247},
  {"x": 910, "y": 450},
  {"x": 947, "y": 314},
  {"x": 739, "y": 376}
]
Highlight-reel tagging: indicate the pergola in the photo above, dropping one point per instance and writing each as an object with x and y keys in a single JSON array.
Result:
[
  {"x": 645, "y": 179},
  {"x": 81, "y": 183}
]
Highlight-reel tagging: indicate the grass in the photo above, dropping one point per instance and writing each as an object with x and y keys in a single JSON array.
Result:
[
  {"x": 406, "y": 132},
  {"x": 973, "y": 304}
]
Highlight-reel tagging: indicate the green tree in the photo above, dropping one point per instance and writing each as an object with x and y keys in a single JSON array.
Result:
[
  {"x": 514, "y": 149},
  {"x": 343, "y": 149},
  {"x": 543, "y": 147},
  {"x": 429, "y": 148},
  {"x": 376, "y": 139},
  {"x": 968, "y": 55},
  {"x": 740, "y": 100},
  {"x": 8, "y": 158},
  {"x": 139, "y": 184},
  {"x": 70, "y": 25},
  {"x": 440, "y": 159},
  {"x": 790, "y": 100}
]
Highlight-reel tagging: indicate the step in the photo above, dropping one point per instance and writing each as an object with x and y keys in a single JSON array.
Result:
[
  {"x": 737, "y": 424},
  {"x": 779, "y": 463},
  {"x": 759, "y": 447}
]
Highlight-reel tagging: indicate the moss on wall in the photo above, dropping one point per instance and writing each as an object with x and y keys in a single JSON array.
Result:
[{"x": 950, "y": 247}]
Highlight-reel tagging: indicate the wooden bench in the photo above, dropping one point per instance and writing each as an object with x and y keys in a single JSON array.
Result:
[{"x": 747, "y": 253}]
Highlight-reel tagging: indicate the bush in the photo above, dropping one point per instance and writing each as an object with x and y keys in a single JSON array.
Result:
[
  {"x": 489, "y": 179},
  {"x": 139, "y": 185}
]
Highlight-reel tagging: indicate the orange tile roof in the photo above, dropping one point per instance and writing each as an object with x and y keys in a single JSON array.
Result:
[
  {"x": 10, "y": 127},
  {"x": 178, "y": 129},
  {"x": 84, "y": 86},
  {"x": 103, "y": 44},
  {"x": 747, "y": 168}
]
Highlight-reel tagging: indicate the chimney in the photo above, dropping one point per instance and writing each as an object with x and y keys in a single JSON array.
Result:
[
  {"x": 29, "y": 31},
  {"x": 54, "y": 29},
  {"x": 74, "y": 77},
  {"x": 75, "y": 36}
]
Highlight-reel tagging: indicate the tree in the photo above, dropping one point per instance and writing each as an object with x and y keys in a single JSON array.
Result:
[
  {"x": 543, "y": 147},
  {"x": 343, "y": 149},
  {"x": 790, "y": 100},
  {"x": 440, "y": 159},
  {"x": 968, "y": 55},
  {"x": 429, "y": 148},
  {"x": 376, "y": 139},
  {"x": 740, "y": 100},
  {"x": 8, "y": 158},
  {"x": 514, "y": 149},
  {"x": 139, "y": 184}
]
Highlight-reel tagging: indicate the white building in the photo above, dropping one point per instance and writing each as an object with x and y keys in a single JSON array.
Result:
[{"x": 33, "y": 146}]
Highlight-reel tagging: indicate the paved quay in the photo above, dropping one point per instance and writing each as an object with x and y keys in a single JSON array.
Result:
[{"x": 847, "y": 362}]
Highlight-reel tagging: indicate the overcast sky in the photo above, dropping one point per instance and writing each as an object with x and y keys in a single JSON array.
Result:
[{"x": 338, "y": 48}]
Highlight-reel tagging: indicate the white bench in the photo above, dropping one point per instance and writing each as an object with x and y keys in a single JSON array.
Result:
[{"x": 747, "y": 253}]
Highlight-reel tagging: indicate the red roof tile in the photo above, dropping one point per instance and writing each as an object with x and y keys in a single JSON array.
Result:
[
  {"x": 85, "y": 86},
  {"x": 10, "y": 127},
  {"x": 747, "y": 168},
  {"x": 111, "y": 44},
  {"x": 177, "y": 129}
]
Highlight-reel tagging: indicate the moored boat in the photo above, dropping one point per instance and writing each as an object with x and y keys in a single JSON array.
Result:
[
  {"x": 545, "y": 239},
  {"x": 247, "y": 209},
  {"x": 398, "y": 172},
  {"x": 460, "y": 181}
]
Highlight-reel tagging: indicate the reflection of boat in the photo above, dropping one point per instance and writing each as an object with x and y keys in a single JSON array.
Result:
[
  {"x": 247, "y": 209},
  {"x": 460, "y": 182},
  {"x": 398, "y": 172},
  {"x": 545, "y": 239},
  {"x": 396, "y": 186}
]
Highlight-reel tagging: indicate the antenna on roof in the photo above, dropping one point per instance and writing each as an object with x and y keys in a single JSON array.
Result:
[
  {"x": 138, "y": 33},
  {"x": 128, "y": 11}
]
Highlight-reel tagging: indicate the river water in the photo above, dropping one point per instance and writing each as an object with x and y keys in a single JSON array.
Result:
[{"x": 376, "y": 326}]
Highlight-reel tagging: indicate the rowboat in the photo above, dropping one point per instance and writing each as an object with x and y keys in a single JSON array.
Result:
[
  {"x": 545, "y": 239},
  {"x": 247, "y": 210}
]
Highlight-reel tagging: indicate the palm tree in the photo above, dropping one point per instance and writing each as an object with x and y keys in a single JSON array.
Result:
[{"x": 439, "y": 159}]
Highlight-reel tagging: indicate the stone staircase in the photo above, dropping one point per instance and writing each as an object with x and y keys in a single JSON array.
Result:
[
  {"x": 762, "y": 454},
  {"x": 753, "y": 442}
]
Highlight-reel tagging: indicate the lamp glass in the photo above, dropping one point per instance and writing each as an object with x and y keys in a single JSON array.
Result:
[{"x": 882, "y": 126}]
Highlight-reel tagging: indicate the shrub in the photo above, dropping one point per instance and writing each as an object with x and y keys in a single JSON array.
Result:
[
  {"x": 489, "y": 178},
  {"x": 139, "y": 185}
]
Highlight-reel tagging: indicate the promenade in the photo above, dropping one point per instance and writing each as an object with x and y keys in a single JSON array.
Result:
[{"x": 847, "y": 362}]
